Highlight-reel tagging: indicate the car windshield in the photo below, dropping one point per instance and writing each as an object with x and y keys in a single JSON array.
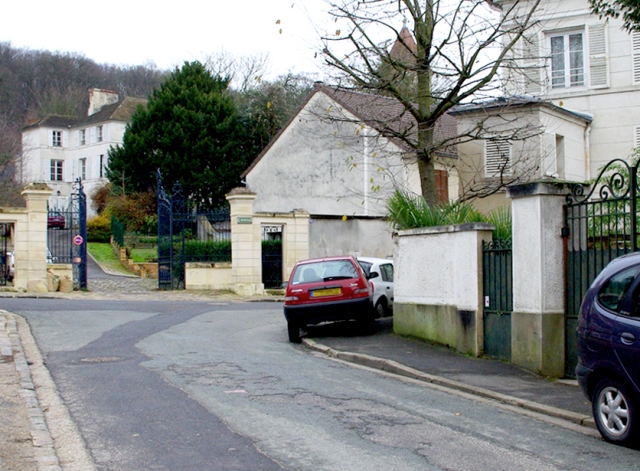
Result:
[
  {"x": 366, "y": 266},
  {"x": 326, "y": 270}
]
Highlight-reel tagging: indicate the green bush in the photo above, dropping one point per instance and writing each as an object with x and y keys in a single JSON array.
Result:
[
  {"x": 196, "y": 251},
  {"x": 99, "y": 229},
  {"x": 408, "y": 211}
]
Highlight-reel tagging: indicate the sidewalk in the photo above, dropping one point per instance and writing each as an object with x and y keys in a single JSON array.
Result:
[{"x": 436, "y": 364}]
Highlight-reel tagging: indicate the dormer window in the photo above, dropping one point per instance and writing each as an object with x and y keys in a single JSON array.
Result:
[
  {"x": 99, "y": 135},
  {"x": 56, "y": 138}
]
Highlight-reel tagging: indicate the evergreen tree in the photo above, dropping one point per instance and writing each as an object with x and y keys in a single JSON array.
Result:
[
  {"x": 629, "y": 9},
  {"x": 191, "y": 131}
]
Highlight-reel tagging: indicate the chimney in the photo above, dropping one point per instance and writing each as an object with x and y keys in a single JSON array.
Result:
[{"x": 99, "y": 98}]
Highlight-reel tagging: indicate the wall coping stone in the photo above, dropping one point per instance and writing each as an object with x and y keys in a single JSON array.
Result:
[
  {"x": 540, "y": 188},
  {"x": 207, "y": 265},
  {"x": 467, "y": 227}
]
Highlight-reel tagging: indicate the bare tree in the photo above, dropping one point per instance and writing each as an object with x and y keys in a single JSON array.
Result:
[
  {"x": 453, "y": 55},
  {"x": 10, "y": 148},
  {"x": 244, "y": 72}
]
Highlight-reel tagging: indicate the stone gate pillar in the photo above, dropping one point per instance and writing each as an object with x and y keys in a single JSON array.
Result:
[
  {"x": 31, "y": 240},
  {"x": 246, "y": 250},
  {"x": 538, "y": 320}
]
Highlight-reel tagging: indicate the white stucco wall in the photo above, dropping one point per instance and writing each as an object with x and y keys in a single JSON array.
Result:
[
  {"x": 337, "y": 168},
  {"x": 367, "y": 238},
  {"x": 440, "y": 265}
]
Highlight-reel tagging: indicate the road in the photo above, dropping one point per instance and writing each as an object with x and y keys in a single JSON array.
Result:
[{"x": 217, "y": 386}]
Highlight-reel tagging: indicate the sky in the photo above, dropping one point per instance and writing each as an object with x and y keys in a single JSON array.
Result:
[{"x": 134, "y": 32}]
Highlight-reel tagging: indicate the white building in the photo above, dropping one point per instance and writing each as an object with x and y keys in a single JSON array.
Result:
[
  {"x": 59, "y": 149},
  {"x": 580, "y": 80}
]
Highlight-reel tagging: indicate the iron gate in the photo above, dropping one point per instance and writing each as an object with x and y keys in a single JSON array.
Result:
[
  {"x": 188, "y": 235},
  {"x": 497, "y": 274},
  {"x": 5, "y": 234},
  {"x": 600, "y": 225},
  {"x": 67, "y": 235}
]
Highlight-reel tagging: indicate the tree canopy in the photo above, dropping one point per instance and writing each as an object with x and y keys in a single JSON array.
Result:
[
  {"x": 191, "y": 131},
  {"x": 453, "y": 55},
  {"x": 629, "y": 9}
]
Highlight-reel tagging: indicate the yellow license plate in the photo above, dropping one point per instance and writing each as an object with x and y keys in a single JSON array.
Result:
[{"x": 326, "y": 292}]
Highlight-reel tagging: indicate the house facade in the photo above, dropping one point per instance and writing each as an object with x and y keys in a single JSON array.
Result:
[
  {"x": 331, "y": 161},
  {"x": 578, "y": 80},
  {"x": 59, "y": 149}
]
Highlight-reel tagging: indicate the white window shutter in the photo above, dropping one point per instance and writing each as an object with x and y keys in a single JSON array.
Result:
[
  {"x": 497, "y": 158},
  {"x": 635, "y": 47},
  {"x": 636, "y": 140},
  {"x": 598, "y": 56},
  {"x": 533, "y": 64}
]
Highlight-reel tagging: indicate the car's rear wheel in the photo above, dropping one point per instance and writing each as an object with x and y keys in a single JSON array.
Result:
[
  {"x": 615, "y": 411},
  {"x": 294, "y": 332},
  {"x": 381, "y": 308}
]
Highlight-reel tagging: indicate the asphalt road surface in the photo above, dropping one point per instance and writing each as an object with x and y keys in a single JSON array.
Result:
[{"x": 215, "y": 386}]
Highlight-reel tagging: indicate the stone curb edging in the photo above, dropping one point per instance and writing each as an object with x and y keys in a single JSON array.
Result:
[
  {"x": 44, "y": 451},
  {"x": 394, "y": 367}
]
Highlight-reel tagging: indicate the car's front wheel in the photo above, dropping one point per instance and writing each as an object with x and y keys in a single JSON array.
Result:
[
  {"x": 381, "y": 308},
  {"x": 615, "y": 411},
  {"x": 294, "y": 332}
]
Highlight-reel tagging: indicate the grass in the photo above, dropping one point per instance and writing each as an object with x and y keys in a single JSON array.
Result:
[
  {"x": 144, "y": 255},
  {"x": 103, "y": 254}
]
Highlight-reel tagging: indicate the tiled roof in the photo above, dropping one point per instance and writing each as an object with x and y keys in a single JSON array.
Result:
[
  {"x": 381, "y": 113},
  {"x": 120, "y": 111}
]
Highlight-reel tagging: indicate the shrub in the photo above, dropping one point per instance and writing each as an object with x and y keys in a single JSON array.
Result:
[
  {"x": 408, "y": 211},
  {"x": 99, "y": 229}
]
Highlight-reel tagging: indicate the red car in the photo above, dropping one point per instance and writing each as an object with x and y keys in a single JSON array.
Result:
[
  {"x": 327, "y": 289},
  {"x": 55, "y": 221}
]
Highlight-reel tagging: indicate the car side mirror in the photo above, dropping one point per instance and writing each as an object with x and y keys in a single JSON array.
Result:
[{"x": 372, "y": 275}]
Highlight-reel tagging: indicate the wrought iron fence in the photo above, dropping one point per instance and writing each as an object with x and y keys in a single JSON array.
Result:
[
  {"x": 601, "y": 223},
  {"x": 5, "y": 262}
]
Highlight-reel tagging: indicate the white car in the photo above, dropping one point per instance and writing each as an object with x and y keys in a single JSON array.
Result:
[
  {"x": 379, "y": 271},
  {"x": 11, "y": 263}
]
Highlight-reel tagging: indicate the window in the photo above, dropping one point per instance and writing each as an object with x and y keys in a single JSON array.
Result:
[
  {"x": 387, "y": 272},
  {"x": 56, "y": 170},
  {"x": 497, "y": 158},
  {"x": 99, "y": 135},
  {"x": 82, "y": 169},
  {"x": 613, "y": 290},
  {"x": 567, "y": 60},
  {"x": 56, "y": 138},
  {"x": 101, "y": 165},
  {"x": 82, "y": 137},
  {"x": 442, "y": 186}
]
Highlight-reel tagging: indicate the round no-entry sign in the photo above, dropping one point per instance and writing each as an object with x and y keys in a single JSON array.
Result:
[{"x": 78, "y": 240}]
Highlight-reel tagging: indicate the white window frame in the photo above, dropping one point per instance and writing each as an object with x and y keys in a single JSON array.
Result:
[
  {"x": 82, "y": 137},
  {"x": 57, "y": 170},
  {"x": 56, "y": 138},
  {"x": 494, "y": 158},
  {"x": 566, "y": 55},
  {"x": 82, "y": 168},
  {"x": 99, "y": 133}
]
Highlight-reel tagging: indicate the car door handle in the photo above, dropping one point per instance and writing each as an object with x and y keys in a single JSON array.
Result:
[{"x": 627, "y": 338}]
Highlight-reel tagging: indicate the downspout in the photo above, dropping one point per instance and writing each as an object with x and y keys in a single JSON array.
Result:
[
  {"x": 587, "y": 151},
  {"x": 366, "y": 152}
]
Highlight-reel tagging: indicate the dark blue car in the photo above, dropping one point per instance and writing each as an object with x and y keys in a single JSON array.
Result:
[{"x": 609, "y": 349}]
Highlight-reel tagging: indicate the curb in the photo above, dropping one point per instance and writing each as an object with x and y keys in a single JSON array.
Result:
[
  {"x": 44, "y": 452},
  {"x": 394, "y": 367}
]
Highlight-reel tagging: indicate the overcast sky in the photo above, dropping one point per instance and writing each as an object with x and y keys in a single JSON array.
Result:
[{"x": 168, "y": 33}]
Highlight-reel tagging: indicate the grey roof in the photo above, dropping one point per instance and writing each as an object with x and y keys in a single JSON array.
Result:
[
  {"x": 119, "y": 111},
  {"x": 518, "y": 101},
  {"x": 381, "y": 113}
]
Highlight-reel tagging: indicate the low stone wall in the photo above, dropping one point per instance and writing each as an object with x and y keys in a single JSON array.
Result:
[
  {"x": 438, "y": 285},
  {"x": 209, "y": 276}
]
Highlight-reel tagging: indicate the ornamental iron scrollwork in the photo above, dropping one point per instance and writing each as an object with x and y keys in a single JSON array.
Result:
[{"x": 613, "y": 183}]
